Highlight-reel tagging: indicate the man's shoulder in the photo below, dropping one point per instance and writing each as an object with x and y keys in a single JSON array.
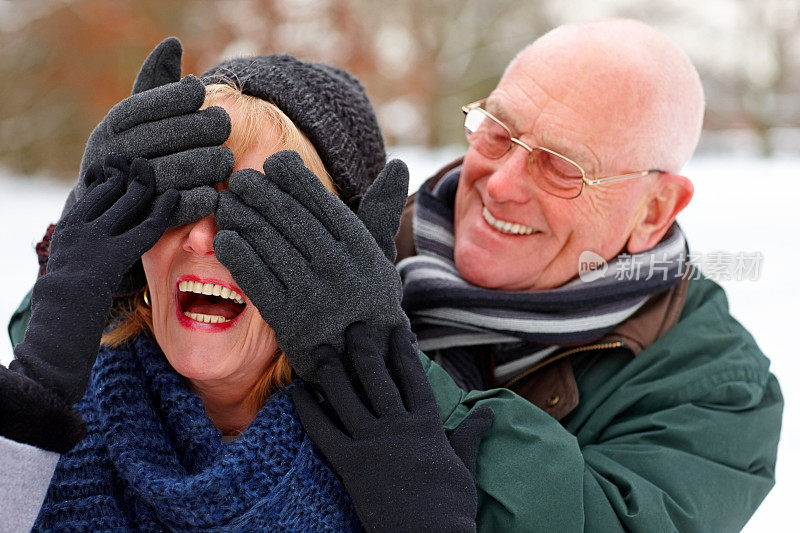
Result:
[
  {"x": 706, "y": 349},
  {"x": 707, "y": 358},
  {"x": 706, "y": 315}
]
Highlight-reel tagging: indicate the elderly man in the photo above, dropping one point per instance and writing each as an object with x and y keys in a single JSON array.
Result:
[{"x": 669, "y": 417}]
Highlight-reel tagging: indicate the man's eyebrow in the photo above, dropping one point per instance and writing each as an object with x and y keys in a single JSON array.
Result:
[
  {"x": 580, "y": 154},
  {"x": 503, "y": 117},
  {"x": 585, "y": 158}
]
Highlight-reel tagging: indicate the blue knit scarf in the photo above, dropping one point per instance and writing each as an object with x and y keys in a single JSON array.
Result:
[{"x": 153, "y": 461}]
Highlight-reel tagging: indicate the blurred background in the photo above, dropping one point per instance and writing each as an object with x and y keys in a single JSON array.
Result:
[{"x": 64, "y": 63}]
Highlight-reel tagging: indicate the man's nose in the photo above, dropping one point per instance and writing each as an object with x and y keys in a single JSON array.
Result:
[
  {"x": 511, "y": 180},
  {"x": 200, "y": 240}
]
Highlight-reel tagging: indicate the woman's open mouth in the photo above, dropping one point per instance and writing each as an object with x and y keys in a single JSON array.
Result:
[{"x": 203, "y": 302}]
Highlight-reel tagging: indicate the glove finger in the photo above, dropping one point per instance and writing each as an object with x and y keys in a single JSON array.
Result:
[
  {"x": 341, "y": 394},
  {"x": 132, "y": 205},
  {"x": 322, "y": 430},
  {"x": 162, "y": 66},
  {"x": 103, "y": 196},
  {"x": 194, "y": 204},
  {"x": 382, "y": 206},
  {"x": 286, "y": 170},
  {"x": 233, "y": 213},
  {"x": 93, "y": 176},
  {"x": 299, "y": 227},
  {"x": 150, "y": 230},
  {"x": 466, "y": 439},
  {"x": 171, "y": 100},
  {"x": 249, "y": 272},
  {"x": 155, "y": 138},
  {"x": 407, "y": 371},
  {"x": 370, "y": 366},
  {"x": 283, "y": 259},
  {"x": 192, "y": 168}
]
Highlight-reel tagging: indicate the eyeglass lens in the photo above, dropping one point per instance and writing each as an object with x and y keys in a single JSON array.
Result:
[{"x": 552, "y": 173}]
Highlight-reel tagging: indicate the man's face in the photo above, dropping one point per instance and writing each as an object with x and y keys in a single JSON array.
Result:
[{"x": 542, "y": 106}]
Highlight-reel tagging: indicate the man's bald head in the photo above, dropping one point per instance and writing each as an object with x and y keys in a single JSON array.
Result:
[
  {"x": 641, "y": 88},
  {"x": 615, "y": 96}
]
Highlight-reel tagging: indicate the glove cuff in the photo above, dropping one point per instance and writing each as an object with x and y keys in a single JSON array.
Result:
[{"x": 32, "y": 415}]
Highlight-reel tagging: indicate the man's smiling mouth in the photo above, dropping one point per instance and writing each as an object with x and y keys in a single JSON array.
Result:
[
  {"x": 511, "y": 228},
  {"x": 209, "y": 303}
]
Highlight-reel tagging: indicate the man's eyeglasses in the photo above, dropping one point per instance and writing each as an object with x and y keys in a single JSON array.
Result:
[{"x": 552, "y": 172}]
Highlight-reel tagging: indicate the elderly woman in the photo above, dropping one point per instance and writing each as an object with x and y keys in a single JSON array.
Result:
[{"x": 188, "y": 409}]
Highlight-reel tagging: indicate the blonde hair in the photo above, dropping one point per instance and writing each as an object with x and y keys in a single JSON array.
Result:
[{"x": 131, "y": 316}]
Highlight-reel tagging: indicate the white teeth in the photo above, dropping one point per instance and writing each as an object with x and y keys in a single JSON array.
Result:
[
  {"x": 208, "y": 319},
  {"x": 505, "y": 226},
  {"x": 210, "y": 289}
]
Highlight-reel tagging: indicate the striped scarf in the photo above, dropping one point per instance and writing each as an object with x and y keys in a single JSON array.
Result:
[{"x": 447, "y": 312}]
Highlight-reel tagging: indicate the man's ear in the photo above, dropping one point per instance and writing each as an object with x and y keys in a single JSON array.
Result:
[{"x": 670, "y": 195}]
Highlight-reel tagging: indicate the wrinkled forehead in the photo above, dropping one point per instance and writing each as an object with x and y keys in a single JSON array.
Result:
[{"x": 589, "y": 100}]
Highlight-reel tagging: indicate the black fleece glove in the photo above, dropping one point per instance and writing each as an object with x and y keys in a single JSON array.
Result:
[
  {"x": 390, "y": 448},
  {"x": 161, "y": 123},
  {"x": 93, "y": 245},
  {"x": 31, "y": 414},
  {"x": 306, "y": 261}
]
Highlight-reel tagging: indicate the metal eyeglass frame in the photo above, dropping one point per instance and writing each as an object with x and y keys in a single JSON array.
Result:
[{"x": 584, "y": 180}]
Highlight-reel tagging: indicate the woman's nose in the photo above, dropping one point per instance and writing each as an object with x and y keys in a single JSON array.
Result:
[
  {"x": 200, "y": 240},
  {"x": 511, "y": 180}
]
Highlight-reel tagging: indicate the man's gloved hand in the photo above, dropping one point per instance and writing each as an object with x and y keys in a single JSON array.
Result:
[
  {"x": 161, "y": 123},
  {"x": 306, "y": 261},
  {"x": 94, "y": 244},
  {"x": 389, "y": 448}
]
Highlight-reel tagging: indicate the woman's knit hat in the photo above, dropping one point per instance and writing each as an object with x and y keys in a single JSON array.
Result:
[{"x": 326, "y": 103}]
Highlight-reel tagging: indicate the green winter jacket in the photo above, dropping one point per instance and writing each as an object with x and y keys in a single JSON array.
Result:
[{"x": 682, "y": 437}]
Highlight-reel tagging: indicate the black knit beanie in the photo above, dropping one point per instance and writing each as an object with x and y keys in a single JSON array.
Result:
[{"x": 326, "y": 103}]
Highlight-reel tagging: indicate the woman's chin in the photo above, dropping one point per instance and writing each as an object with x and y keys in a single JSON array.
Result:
[
  {"x": 206, "y": 351},
  {"x": 195, "y": 348}
]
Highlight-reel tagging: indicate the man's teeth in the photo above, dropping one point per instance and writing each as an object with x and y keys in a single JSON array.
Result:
[
  {"x": 208, "y": 319},
  {"x": 504, "y": 226},
  {"x": 210, "y": 289}
]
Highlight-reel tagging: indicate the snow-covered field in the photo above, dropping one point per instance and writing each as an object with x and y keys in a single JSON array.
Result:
[{"x": 741, "y": 204}]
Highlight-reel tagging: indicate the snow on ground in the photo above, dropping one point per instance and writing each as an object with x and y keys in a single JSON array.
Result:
[{"x": 741, "y": 204}]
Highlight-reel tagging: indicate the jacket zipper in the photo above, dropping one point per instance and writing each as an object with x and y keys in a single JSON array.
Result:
[{"x": 565, "y": 353}]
